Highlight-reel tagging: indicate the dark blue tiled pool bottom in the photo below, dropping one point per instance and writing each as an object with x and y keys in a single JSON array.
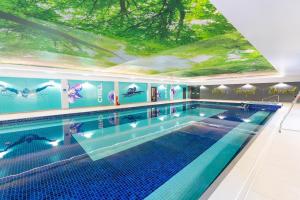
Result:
[
  {"x": 131, "y": 174},
  {"x": 165, "y": 165}
]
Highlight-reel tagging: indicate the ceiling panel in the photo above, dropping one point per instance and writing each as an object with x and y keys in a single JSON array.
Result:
[
  {"x": 172, "y": 38},
  {"x": 272, "y": 26}
]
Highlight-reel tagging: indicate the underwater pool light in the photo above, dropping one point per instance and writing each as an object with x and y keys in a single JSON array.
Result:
[
  {"x": 176, "y": 114},
  {"x": 133, "y": 124},
  {"x": 54, "y": 143},
  {"x": 202, "y": 114},
  {"x": 88, "y": 135},
  {"x": 2, "y": 154},
  {"x": 221, "y": 116},
  {"x": 162, "y": 118},
  {"x": 247, "y": 120}
]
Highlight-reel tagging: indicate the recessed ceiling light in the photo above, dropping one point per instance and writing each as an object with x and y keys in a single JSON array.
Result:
[
  {"x": 222, "y": 87},
  {"x": 281, "y": 85},
  {"x": 202, "y": 87},
  {"x": 248, "y": 86}
]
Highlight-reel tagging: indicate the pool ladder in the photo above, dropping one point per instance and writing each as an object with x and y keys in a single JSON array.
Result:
[{"x": 286, "y": 115}]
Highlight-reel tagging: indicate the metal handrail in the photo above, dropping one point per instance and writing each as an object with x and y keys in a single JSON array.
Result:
[
  {"x": 263, "y": 99},
  {"x": 291, "y": 107}
]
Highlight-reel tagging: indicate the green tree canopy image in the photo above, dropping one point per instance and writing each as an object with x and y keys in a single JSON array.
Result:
[{"x": 152, "y": 37}]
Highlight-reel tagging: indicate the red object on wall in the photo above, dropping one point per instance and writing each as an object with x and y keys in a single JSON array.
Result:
[{"x": 117, "y": 101}]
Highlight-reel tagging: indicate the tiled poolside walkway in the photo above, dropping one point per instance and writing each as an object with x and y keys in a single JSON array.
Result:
[{"x": 269, "y": 169}]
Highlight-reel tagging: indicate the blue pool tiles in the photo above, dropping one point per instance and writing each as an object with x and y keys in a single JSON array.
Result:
[{"x": 131, "y": 174}]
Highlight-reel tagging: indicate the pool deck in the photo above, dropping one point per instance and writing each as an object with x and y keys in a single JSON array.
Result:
[{"x": 267, "y": 169}]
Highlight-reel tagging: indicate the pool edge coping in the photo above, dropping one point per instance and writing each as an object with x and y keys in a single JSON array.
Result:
[
  {"x": 229, "y": 175},
  {"x": 88, "y": 110}
]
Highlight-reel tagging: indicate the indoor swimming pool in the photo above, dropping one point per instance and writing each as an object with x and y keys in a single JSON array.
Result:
[{"x": 169, "y": 151}]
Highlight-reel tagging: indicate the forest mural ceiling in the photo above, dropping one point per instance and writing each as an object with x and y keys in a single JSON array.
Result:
[{"x": 184, "y": 38}]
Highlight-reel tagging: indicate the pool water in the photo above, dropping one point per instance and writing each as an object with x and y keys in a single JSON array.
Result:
[{"x": 171, "y": 151}]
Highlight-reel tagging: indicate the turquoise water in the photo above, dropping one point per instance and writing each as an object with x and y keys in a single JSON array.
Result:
[{"x": 173, "y": 150}]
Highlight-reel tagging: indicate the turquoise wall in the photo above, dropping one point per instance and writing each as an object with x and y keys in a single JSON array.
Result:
[
  {"x": 139, "y": 96},
  {"x": 179, "y": 91},
  {"x": 32, "y": 94},
  {"x": 29, "y": 94},
  {"x": 163, "y": 90},
  {"x": 90, "y": 93}
]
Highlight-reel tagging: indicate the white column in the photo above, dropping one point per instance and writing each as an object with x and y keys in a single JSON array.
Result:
[
  {"x": 171, "y": 95},
  {"x": 149, "y": 92},
  {"x": 64, "y": 94}
]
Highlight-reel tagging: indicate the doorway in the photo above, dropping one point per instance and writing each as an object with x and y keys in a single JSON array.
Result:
[
  {"x": 184, "y": 93},
  {"x": 153, "y": 94}
]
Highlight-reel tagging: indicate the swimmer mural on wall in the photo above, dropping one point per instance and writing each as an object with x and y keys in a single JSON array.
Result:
[
  {"x": 90, "y": 93},
  {"x": 132, "y": 91},
  {"x": 111, "y": 96},
  {"x": 29, "y": 94},
  {"x": 74, "y": 92},
  {"x": 175, "y": 38},
  {"x": 25, "y": 93}
]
